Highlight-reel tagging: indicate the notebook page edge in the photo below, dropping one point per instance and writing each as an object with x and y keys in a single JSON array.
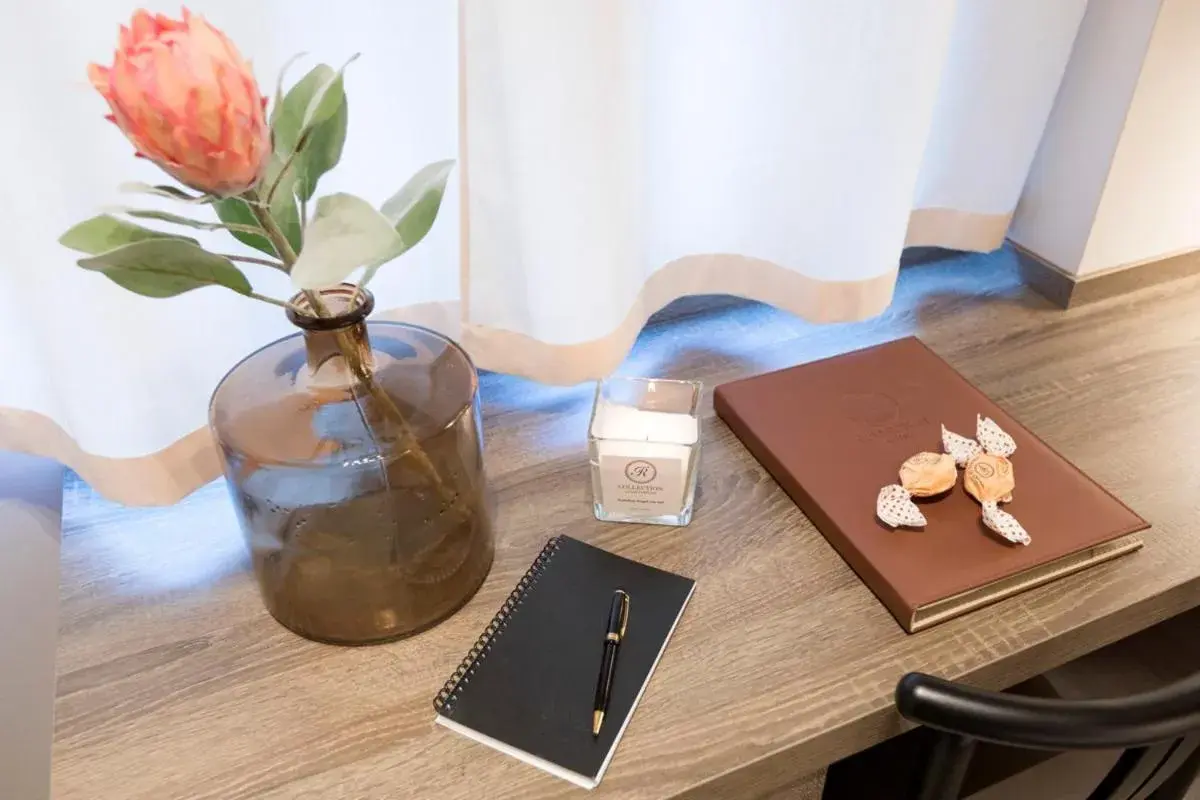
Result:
[
  {"x": 541, "y": 763},
  {"x": 637, "y": 700}
]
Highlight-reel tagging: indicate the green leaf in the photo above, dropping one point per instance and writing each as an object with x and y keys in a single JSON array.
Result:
[
  {"x": 323, "y": 136},
  {"x": 322, "y": 150},
  {"x": 345, "y": 234},
  {"x": 164, "y": 216},
  {"x": 167, "y": 267},
  {"x": 279, "y": 83},
  {"x": 413, "y": 209},
  {"x": 287, "y": 118},
  {"x": 169, "y": 192},
  {"x": 103, "y": 233},
  {"x": 324, "y": 102},
  {"x": 283, "y": 202},
  {"x": 234, "y": 211}
]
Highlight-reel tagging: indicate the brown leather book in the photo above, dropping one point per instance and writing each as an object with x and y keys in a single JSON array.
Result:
[{"x": 834, "y": 432}]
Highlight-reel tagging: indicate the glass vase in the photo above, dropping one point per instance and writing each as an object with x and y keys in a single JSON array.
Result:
[{"x": 353, "y": 454}]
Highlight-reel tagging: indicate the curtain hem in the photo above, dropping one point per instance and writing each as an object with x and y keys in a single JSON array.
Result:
[
  {"x": 956, "y": 230},
  {"x": 160, "y": 478},
  {"x": 166, "y": 476},
  {"x": 742, "y": 276}
]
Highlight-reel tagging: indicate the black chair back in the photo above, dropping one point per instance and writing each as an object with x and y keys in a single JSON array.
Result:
[{"x": 1159, "y": 732}]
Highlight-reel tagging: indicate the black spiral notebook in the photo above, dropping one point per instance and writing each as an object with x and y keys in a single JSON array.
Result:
[{"x": 527, "y": 685}]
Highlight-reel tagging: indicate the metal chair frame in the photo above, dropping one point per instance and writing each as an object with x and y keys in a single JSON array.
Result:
[{"x": 1159, "y": 732}]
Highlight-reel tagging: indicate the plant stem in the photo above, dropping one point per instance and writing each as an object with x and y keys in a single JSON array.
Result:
[
  {"x": 391, "y": 409},
  {"x": 286, "y": 166},
  {"x": 266, "y": 262},
  {"x": 354, "y": 360},
  {"x": 233, "y": 226},
  {"x": 273, "y": 301},
  {"x": 265, "y": 221}
]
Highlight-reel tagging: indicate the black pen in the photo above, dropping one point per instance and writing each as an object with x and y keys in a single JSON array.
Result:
[{"x": 618, "y": 619}]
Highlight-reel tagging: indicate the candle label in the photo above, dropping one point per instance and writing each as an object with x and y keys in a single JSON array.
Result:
[{"x": 642, "y": 486}]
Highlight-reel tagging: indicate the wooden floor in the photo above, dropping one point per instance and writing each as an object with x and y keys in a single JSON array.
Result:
[{"x": 174, "y": 683}]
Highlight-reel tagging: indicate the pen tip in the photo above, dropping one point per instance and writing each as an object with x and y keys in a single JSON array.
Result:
[{"x": 597, "y": 721}]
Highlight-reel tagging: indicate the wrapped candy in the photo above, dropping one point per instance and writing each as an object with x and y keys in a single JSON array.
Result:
[
  {"x": 922, "y": 475},
  {"x": 988, "y": 474}
]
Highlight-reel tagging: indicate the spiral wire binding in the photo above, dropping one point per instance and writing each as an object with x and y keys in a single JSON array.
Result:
[{"x": 444, "y": 702}]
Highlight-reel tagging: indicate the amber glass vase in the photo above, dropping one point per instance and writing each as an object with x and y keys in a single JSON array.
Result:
[{"x": 353, "y": 454}]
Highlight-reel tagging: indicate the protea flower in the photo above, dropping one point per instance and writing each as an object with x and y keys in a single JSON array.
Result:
[{"x": 181, "y": 92}]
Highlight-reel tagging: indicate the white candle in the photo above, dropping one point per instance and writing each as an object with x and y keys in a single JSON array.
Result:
[
  {"x": 635, "y": 424},
  {"x": 642, "y": 460}
]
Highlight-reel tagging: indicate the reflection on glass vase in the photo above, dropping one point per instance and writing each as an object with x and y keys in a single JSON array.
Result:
[{"x": 353, "y": 453}]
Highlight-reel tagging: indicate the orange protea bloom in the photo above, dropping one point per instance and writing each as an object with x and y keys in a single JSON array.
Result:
[{"x": 181, "y": 92}]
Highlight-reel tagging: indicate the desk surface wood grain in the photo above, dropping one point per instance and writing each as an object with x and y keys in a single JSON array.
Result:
[{"x": 175, "y": 683}]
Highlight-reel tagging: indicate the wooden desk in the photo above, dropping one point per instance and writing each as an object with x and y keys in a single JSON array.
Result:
[{"x": 174, "y": 683}]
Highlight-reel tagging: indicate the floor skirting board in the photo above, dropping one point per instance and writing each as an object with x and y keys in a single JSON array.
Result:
[{"x": 1067, "y": 290}]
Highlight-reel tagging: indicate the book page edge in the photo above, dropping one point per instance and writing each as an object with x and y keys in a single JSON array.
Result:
[{"x": 972, "y": 599}]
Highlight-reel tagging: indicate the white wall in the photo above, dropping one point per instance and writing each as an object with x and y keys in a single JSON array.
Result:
[
  {"x": 30, "y": 528},
  {"x": 1116, "y": 180},
  {"x": 1151, "y": 202},
  {"x": 1056, "y": 213}
]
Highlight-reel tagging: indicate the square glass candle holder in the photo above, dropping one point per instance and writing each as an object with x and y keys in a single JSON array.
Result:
[{"x": 644, "y": 443}]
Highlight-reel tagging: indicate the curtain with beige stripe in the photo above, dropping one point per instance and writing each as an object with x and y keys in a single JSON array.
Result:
[{"x": 613, "y": 155}]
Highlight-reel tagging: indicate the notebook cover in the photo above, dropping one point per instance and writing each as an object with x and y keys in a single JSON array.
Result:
[
  {"x": 533, "y": 686},
  {"x": 833, "y": 432}
]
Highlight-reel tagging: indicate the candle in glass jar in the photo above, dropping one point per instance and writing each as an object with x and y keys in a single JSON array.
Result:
[
  {"x": 638, "y": 424},
  {"x": 643, "y": 461}
]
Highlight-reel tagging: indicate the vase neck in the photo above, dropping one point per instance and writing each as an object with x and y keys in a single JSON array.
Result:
[
  {"x": 321, "y": 346},
  {"x": 339, "y": 324}
]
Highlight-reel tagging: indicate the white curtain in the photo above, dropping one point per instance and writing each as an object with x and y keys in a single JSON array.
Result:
[{"x": 613, "y": 155}]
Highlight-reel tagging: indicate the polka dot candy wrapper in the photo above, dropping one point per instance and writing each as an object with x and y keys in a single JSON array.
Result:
[
  {"x": 922, "y": 475},
  {"x": 988, "y": 474}
]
